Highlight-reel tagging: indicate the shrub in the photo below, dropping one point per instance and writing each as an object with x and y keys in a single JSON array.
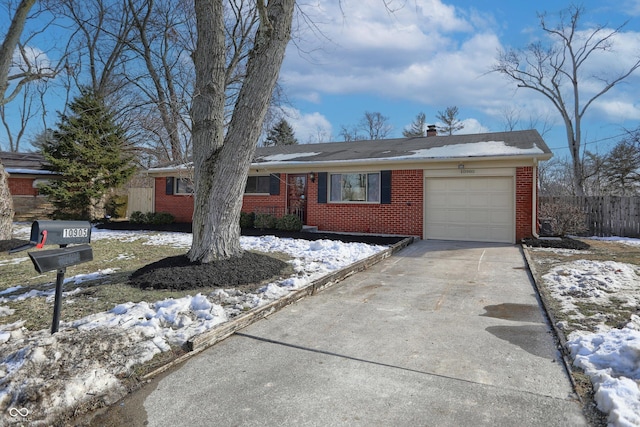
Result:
[
  {"x": 289, "y": 223},
  {"x": 247, "y": 220},
  {"x": 116, "y": 206},
  {"x": 156, "y": 218},
  {"x": 264, "y": 221},
  {"x": 137, "y": 217},
  {"x": 564, "y": 218}
]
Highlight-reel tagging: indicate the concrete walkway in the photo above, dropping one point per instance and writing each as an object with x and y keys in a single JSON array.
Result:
[{"x": 440, "y": 334}]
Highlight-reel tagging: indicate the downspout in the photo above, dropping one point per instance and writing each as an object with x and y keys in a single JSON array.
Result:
[{"x": 534, "y": 202}]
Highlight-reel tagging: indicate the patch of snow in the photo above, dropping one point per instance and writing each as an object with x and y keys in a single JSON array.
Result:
[
  {"x": 475, "y": 149},
  {"x": 624, "y": 240},
  {"x": 285, "y": 157},
  {"x": 612, "y": 360}
]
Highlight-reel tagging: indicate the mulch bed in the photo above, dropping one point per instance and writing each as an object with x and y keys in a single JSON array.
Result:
[{"x": 560, "y": 243}]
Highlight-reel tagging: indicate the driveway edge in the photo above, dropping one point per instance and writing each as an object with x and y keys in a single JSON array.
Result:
[
  {"x": 559, "y": 335},
  {"x": 209, "y": 338}
]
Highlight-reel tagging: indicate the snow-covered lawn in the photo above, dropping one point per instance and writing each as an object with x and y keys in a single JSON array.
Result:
[
  {"x": 43, "y": 376},
  {"x": 591, "y": 293}
]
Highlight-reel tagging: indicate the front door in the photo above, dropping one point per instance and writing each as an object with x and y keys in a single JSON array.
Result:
[{"x": 297, "y": 196}]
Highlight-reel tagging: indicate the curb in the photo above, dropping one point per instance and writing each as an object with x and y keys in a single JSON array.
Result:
[
  {"x": 209, "y": 338},
  {"x": 559, "y": 335}
]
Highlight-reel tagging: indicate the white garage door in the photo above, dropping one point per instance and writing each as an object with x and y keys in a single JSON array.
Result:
[{"x": 479, "y": 209}]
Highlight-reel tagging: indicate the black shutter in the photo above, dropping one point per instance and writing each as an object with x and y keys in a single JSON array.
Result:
[
  {"x": 322, "y": 187},
  {"x": 169, "y": 187},
  {"x": 274, "y": 184},
  {"x": 385, "y": 187}
]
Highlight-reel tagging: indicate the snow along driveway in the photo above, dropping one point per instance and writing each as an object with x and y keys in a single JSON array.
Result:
[{"x": 43, "y": 377}]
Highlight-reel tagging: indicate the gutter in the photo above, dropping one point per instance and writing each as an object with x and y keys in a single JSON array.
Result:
[{"x": 534, "y": 202}]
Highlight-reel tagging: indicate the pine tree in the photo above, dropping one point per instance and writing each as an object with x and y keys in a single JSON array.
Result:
[
  {"x": 418, "y": 127},
  {"x": 88, "y": 150},
  {"x": 281, "y": 134},
  {"x": 450, "y": 119}
]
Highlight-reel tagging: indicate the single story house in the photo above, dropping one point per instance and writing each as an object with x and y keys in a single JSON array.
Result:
[
  {"x": 26, "y": 171},
  {"x": 480, "y": 187}
]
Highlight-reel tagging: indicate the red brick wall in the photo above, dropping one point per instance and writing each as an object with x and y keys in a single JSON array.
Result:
[
  {"x": 22, "y": 187},
  {"x": 402, "y": 216},
  {"x": 274, "y": 205},
  {"x": 524, "y": 202},
  {"x": 179, "y": 205}
]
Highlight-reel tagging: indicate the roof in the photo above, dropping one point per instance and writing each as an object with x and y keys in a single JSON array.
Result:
[
  {"x": 24, "y": 163},
  {"x": 526, "y": 143},
  {"x": 497, "y": 145}
]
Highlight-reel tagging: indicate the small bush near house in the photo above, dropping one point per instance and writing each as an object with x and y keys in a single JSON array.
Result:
[
  {"x": 116, "y": 206},
  {"x": 289, "y": 223},
  {"x": 247, "y": 220},
  {"x": 564, "y": 218},
  {"x": 265, "y": 221},
  {"x": 157, "y": 218}
]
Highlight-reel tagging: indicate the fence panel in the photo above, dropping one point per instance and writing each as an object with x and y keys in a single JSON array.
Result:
[
  {"x": 139, "y": 199},
  {"x": 605, "y": 215}
]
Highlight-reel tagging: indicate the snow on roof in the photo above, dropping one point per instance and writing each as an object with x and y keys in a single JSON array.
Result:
[
  {"x": 476, "y": 149},
  {"x": 287, "y": 156}
]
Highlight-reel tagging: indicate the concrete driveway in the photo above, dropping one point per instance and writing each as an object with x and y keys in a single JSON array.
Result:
[{"x": 440, "y": 334}]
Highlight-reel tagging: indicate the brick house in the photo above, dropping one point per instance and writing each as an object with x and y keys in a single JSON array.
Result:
[
  {"x": 26, "y": 171},
  {"x": 480, "y": 187}
]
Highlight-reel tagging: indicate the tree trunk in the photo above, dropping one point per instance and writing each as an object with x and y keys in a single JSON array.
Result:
[
  {"x": 6, "y": 206},
  {"x": 221, "y": 162}
]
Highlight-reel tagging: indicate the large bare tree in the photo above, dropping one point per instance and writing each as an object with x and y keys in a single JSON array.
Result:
[
  {"x": 554, "y": 70},
  {"x": 222, "y": 158},
  {"x": 9, "y": 44}
]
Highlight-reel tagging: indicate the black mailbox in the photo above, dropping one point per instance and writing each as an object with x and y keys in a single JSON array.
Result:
[{"x": 60, "y": 233}]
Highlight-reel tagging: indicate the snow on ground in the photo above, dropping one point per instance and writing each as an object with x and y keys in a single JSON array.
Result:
[
  {"x": 623, "y": 240},
  {"x": 43, "y": 375},
  {"x": 609, "y": 356}
]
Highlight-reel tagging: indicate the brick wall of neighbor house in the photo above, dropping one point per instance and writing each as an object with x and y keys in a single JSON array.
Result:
[
  {"x": 402, "y": 216},
  {"x": 264, "y": 203},
  {"x": 22, "y": 187},
  {"x": 524, "y": 202},
  {"x": 179, "y": 205}
]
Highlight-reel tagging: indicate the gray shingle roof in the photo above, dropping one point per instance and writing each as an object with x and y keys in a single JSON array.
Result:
[
  {"x": 517, "y": 143},
  {"x": 23, "y": 162}
]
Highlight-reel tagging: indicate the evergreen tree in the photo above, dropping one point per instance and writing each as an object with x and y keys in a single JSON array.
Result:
[
  {"x": 281, "y": 134},
  {"x": 418, "y": 127},
  {"x": 88, "y": 151},
  {"x": 450, "y": 119}
]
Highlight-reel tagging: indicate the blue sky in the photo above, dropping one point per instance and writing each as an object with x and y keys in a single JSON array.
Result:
[
  {"x": 427, "y": 55},
  {"x": 431, "y": 54}
]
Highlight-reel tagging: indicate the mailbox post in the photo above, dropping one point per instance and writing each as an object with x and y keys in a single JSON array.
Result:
[{"x": 62, "y": 233}]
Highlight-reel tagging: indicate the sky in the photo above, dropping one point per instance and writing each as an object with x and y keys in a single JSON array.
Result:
[
  {"x": 349, "y": 57},
  {"x": 34, "y": 360},
  {"x": 428, "y": 55}
]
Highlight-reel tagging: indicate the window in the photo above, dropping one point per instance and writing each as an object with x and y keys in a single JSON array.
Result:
[
  {"x": 258, "y": 184},
  {"x": 355, "y": 187},
  {"x": 184, "y": 186}
]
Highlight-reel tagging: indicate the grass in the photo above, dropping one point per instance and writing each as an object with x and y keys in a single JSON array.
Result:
[
  {"x": 117, "y": 259},
  {"x": 616, "y": 314}
]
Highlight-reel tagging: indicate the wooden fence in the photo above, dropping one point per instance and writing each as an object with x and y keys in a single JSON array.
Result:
[{"x": 605, "y": 215}]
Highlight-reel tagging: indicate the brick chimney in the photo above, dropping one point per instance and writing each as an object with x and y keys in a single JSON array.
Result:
[{"x": 431, "y": 130}]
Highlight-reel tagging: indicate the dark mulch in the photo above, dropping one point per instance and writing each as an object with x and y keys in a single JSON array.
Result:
[
  {"x": 306, "y": 235},
  {"x": 178, "y": 273},
  {"x": 6, "y": 245},
  {"x": 562, "y": 243}
]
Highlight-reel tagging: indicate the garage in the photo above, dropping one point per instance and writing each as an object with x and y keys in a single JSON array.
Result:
[{"x": 477, "y": 208}]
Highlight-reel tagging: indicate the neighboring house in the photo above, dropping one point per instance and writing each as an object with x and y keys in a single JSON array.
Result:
[
  {"x": 480, "y": 187},
  {"x": 26, "y": 171}
]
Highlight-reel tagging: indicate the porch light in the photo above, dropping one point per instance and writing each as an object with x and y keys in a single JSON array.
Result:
[
  {"x": 460, "y": 165},
  {"x": 312, "y": 176}
]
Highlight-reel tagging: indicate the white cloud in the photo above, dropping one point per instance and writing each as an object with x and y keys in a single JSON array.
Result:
[{"x": 309, "y": 128}]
